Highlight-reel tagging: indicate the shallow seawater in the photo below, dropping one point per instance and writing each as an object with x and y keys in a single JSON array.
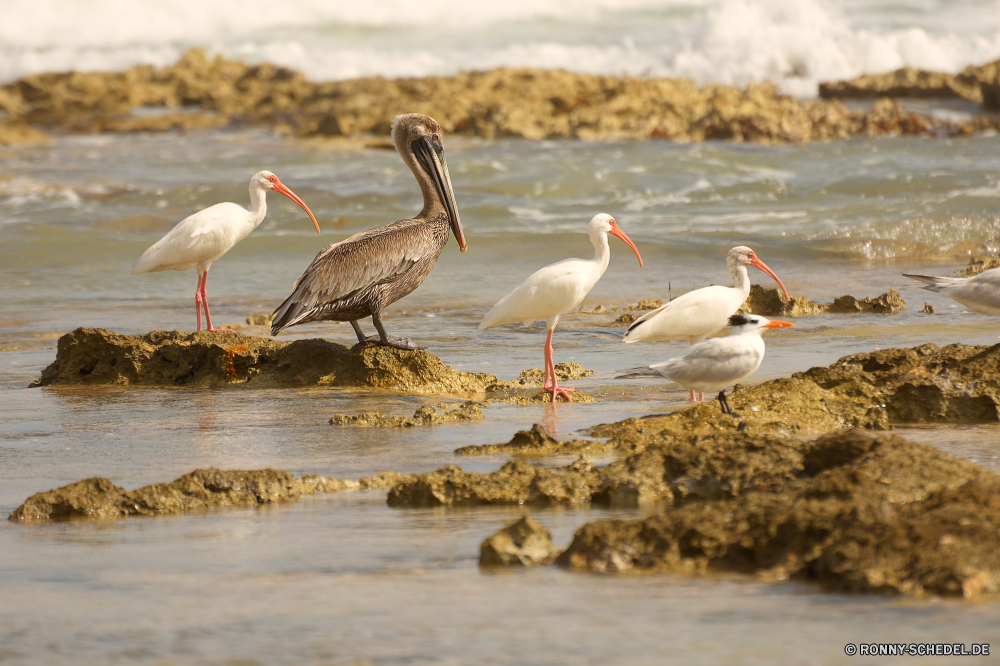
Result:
[{"x": 344, "y": 579}]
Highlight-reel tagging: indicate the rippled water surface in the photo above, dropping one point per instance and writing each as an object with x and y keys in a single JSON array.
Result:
[{"x": 344, "y": 579}]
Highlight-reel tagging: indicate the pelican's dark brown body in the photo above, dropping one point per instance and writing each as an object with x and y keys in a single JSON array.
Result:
[{"x": 359, "y": 276}]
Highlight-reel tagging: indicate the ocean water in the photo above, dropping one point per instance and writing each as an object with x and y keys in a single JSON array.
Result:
[
  {"x": 795, "y": 43},
  {"x": 343, "y": 579}
]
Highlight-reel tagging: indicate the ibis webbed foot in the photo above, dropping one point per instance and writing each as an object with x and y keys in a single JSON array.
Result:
[{"x": 558, "y": 390}]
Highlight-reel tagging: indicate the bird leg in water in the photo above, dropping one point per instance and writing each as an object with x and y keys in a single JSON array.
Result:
[
  {"x": 357, "y": 329},
  {"x": 387, "y": 340},
  {"x": 550, "y": 371},
  {"x": 208, "y": 315},
  {"x": 725, "y": 404}
]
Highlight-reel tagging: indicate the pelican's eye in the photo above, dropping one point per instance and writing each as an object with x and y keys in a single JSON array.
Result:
[{"x": 435, "y": 137}]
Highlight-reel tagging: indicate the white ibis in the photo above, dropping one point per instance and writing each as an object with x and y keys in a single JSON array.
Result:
[
  {"x": 980, "y": 293},
  {"x": 698, "y": 314},
  {"x": 200, "y": 239},
  {"x": 714, "y": 364},
  {"x": 557, "y": 289},
  {"x": 358, "y": 277}
]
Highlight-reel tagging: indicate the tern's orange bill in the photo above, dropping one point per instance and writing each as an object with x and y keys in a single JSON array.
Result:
[
  {"x": 779, "y": 324},
  {"x": 757, "y": 263},
  {"x": 281, "y": 189},
  {"x": 618, "y": 233}
]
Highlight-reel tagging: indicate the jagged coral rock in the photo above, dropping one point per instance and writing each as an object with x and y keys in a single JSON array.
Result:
[
  {"x": 536, "y": 442},
  {"x": 524, "y": 543},
  {"x": 424, "y": 416},
  {"x": 769, "y": 302},
  {"x": 564, "y": 372}
]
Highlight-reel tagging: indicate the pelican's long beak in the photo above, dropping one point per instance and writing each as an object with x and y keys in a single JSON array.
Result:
[
  {"x": 618, "y": 233},
  {"x": 431, "y": 157},
  {"x": 757, "y": 263},
  {"x": 281, "y": 189},
  {"x": 779, "y": 324}
]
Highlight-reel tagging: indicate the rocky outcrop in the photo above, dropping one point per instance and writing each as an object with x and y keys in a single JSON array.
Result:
[
  {"x": 97, "y": 356},
  {"x": 200, "y": 490},
  {"x": 855, "y": 513},
  {"x": 427, "y": 415},
  {"x": 524, "y": 543},
  {"x": 974, "y": 83},
  {"x": 199, "y": 92},
  {"x": 536, "y": 442},
  {"x": 977, "y": 267},
  {"x": 926, "y": 384},
  {"x": 513, "y": 393},
  {"x": 770, "y": 303},
  {"x": 12, "y": 133}
]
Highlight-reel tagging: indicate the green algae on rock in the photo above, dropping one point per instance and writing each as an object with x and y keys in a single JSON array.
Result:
[
  {"x": 524, "y": 543},
  {"x": 535, "y": 442},
  {"x": 96, "y": 356},
  {"x": 425, "y": 416},
  {"x": 564, "y": 372},
  {"x": 769, "y": 302},
  {"x": 854, "y": 512}
]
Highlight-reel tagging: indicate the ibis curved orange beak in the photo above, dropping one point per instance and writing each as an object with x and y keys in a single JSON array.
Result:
[
  {"x": 618, "y": 233},
  {"x": 779, "y": 324},
  {"x": 281, "y": 189},
  {"x": 757, "y": 263}
]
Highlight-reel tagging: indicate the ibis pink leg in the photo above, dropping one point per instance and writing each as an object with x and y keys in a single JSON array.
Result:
[
  {"x": 551, "y": 367},
  {"x": 197, "y": 300},
  {"x": 701, "y": 397},
  {"x": 694, "y": 396},
  {"x": 208, "y": 315}
]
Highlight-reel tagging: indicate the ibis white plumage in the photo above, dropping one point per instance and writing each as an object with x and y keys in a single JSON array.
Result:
[
  {"x": 698, "y": 314},
  {"x": 200, "y": 239},
  {"x": 557, "y": 289},
  {"x": 715, "y": 364},
  {"x": 980, "y": 293}
]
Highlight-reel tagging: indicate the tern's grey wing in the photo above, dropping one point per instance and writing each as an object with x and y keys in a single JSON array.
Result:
[
  {"x": 341, "y": 270},
  {"x": 717, "y": 362}
]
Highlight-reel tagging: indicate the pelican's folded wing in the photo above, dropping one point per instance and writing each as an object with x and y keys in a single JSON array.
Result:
[{"x": 342, "y": 271}]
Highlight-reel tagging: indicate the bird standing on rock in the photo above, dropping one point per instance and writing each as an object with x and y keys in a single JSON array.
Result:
[
  {"x": 714, "y": 364},
  {"x": 980, "y": 293},
  {"x": 557, "y": 289},
  {"x": 360, "y": 276},
  {"x": 200, "y": 239},
  {"x": 698, "y": 314}
]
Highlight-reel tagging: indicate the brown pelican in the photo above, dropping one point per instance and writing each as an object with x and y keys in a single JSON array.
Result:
[{"x": 358, "y": 277}]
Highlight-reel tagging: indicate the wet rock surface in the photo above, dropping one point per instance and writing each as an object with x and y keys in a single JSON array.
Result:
[
  {"x": 12, "y": 133},
  {"x": 770, "y": 303},
  {"x": 199, "y": 490},
  {"x": 926, "y": 384},
  {"x": 514, "y": 393},
  {"x": 854, "y": 512},
  {"x": 95, "y": 356},
  {"x": 524, "y": 543},
  {"x": 564, "y": 372},
  {"x": 199, "y": 92},
  {"x": 535, "y": 442},
  {"x": 428, "y": 415},
  {"x": 978, "y": 266}
]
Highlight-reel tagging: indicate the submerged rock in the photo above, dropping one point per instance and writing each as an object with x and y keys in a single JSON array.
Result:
[
  {"x": 96, "y": 356},
  {"x": 264, "y": 319},
  {"x": 770, "y": 303},
  {"x": 926, "y": 384},
  {"x": 425, "y": 416},
  {"x": 928, "y": 309},
  {"x": 503, "y": 102},
  {"x": 12, "y": 133},
  {"x": 564, "y": 372},
  {"x": 522, "y": 544},
  {"x": 535, "y": 442},
  {"x": 854, "y": 512},
  {"x": 625, "y": 319}
]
